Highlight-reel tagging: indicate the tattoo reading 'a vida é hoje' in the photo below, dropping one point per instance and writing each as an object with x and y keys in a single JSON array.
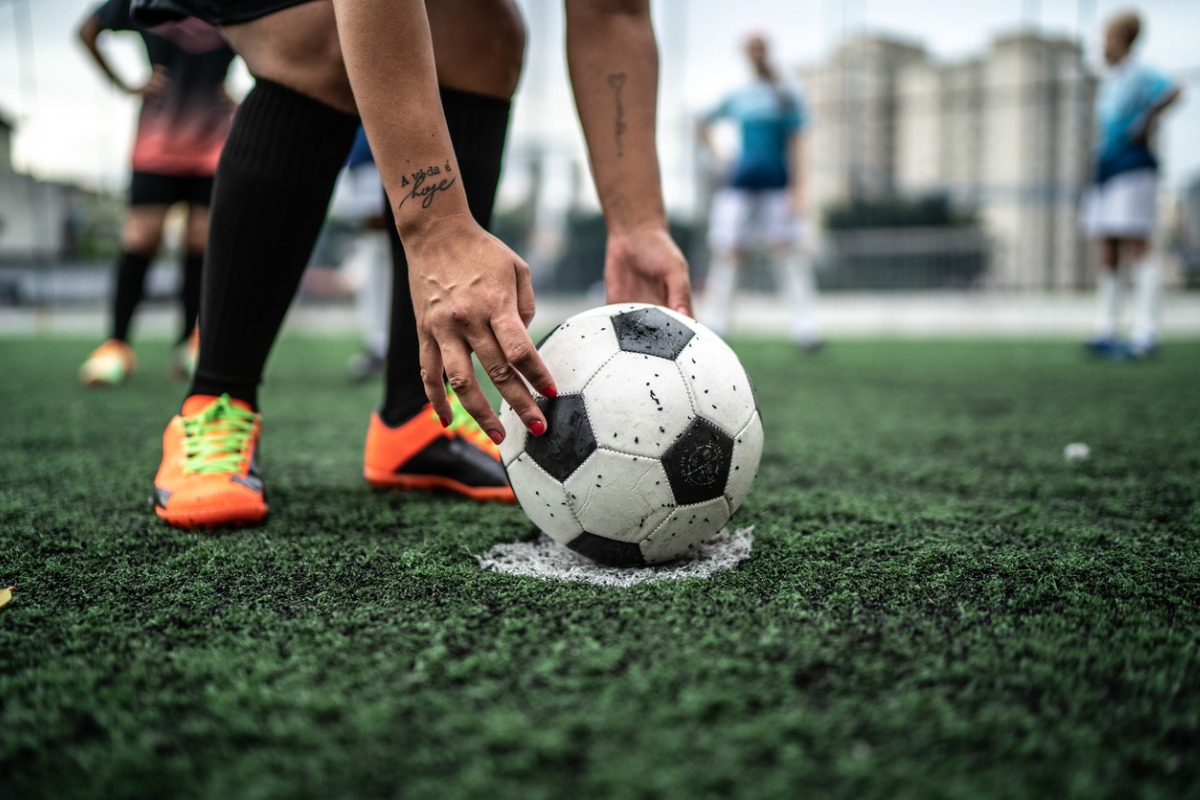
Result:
[
  {"x": 424, "y": 184},
  {"x": 616, "y": 82}
]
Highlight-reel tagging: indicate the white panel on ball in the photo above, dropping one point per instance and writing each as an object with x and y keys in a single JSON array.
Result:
[
  {"x": 543, "y": 500},
  {"x": 638, "y": 404},
  {"x": 576, "y": 349},
  {"x": 514, "y": 434},
  {"x": 684, "y": 529},
  {"x": 747, "y": 452},
  {"x": 719, "y": 382},
  {"x": 620, "y": 496}
]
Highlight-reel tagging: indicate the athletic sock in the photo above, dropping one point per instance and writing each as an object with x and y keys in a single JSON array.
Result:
[
  {"x": 794, "y": 277},
  {"x": 272, "y": 187},
  {"x": 1108, "y": 304},
  {"x": 1147, "y": 287},
  {"x": 719, "y": 290},
  {"x": 131, "y": 287},
  {"x": 193, "y": 267},
  {"x": 478, "y": 125}
]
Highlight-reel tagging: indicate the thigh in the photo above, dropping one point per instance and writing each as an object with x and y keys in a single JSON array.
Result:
[{"x": 298, "y": 47}]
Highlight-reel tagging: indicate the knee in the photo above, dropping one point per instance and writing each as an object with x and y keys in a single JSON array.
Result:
[
  {"x": 478, "y": 46},
  {"x": 140, "y": 239}
]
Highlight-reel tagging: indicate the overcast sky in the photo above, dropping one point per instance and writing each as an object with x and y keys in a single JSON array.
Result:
[{"x": 71, "y": 124}]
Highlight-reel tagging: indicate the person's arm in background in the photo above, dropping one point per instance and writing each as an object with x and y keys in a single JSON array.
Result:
[
  {"x": 613, "y": 61},
  {"x": 1149, "y": 120},
  {"x": 89, "y": 33},
  {"x": 470, "y": 292}
]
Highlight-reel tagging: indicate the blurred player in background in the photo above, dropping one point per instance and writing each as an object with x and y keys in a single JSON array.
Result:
[
  {"x": 431, "y": 84},
  {"x": 358, "y": 197},
  {"x": 760, "y": 206},
  {"x": 184, "y": 119},
  {"x": 1119, "y": 207}
]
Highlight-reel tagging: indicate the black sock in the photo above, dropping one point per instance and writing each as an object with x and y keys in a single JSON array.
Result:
[
  {"x": 131, "y": 287},
  {"x": 189, "y": 294},
  {"x": 272, "y": 187},
  {"x": 478, "y": 125}
]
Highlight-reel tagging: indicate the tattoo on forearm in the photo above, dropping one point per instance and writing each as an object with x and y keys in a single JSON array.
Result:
[
  {"x": 426, "y": 183},
  {"x": 616, "y": 82}
]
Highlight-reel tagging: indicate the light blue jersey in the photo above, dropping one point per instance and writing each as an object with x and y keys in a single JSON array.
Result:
[
  {"x": 768, "y": 116},
  {"x": 1126, "y": 95}
]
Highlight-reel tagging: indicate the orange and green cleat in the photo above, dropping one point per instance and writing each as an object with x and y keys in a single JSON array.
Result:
[
  {"x": 422, "y": 455},
  {"x": 209, "y": 473},
  {"x": 108, "y": 365}
]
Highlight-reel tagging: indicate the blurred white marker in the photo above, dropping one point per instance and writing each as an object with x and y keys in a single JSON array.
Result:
[{"x": 1077, "y": 451}]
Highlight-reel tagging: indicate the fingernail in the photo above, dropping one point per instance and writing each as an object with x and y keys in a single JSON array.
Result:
[
  {"x": 496, "y": 436},
  {"x": 537, "y": 427},
  {"x": 445, "y": 422},
  {"x": 550, "y": 391}
]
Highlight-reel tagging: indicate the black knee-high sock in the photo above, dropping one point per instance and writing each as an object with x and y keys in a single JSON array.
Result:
[
  {"x": 478, "y": 125},
  {"x": 272, "y": 187},
  {"x": 131, "y": 287},
  {"x": 189, "y": 293}
]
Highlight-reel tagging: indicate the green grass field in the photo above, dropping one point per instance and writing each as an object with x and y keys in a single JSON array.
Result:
[{"x": 937, "y": 605}]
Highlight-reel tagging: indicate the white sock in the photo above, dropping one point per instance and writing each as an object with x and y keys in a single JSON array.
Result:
[
  {"x": 719, "y": 291},
  {"x": 373, "y": 299},
  {"x": 1147, "y": 288},
  {"x": 1108, "y": 303},
  {"x": 795, "y": 279}
]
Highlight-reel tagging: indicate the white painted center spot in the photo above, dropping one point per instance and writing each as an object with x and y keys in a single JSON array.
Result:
[{"x": 545, "y": 559}]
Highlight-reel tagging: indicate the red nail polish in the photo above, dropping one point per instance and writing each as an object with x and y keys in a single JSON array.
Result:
[
  {"x": 537, "y": 427},
  {"x": 496, "y": 436},
  {"x": 550, "y": 391},
  {"x": 445, "y": 422}
]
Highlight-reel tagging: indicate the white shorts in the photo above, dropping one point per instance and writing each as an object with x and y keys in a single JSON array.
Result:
[
  {"x": 743, "y": 220},
  {"x": 1121, "y": 207}
]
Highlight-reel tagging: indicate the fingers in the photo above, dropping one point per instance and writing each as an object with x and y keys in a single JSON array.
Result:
[
  {"x": 431, "y": 376},
  {"x": 525, "y": 301},
  {"x": 679, "y": 294},
  {"x": 507, "y": 355}
]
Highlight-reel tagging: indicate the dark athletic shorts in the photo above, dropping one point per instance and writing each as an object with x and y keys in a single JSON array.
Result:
[
  {"x": 214, "y": 12},
  {"x": 153, "y": 189}
]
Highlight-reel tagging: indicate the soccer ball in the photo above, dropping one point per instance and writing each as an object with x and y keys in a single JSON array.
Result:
[{"x": 651, "y": 444}]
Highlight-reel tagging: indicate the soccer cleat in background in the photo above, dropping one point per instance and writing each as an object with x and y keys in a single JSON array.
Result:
[
  {"x": 109, "y": 364},
  {"x": 421, "y": 454},
  {"x": 209, "y": 473}
]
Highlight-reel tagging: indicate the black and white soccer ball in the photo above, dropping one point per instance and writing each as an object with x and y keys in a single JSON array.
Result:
[{"x": 652, "y": 442}]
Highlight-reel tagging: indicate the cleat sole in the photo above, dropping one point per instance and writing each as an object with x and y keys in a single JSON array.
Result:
[{"x": 425, "y": 483}]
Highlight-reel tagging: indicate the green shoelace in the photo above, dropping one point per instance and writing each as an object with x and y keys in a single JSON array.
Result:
[
  {"x": 216, "y": 437},
  {"x": 464, "y": 425}
]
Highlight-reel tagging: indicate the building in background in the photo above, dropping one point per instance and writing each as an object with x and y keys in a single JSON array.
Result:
[
  {"x": 1005, "y": 135},
  {"x": 38, "y": 219}
]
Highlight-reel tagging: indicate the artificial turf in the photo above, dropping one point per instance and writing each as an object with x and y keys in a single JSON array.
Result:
[{"x": 938, "y": 604}]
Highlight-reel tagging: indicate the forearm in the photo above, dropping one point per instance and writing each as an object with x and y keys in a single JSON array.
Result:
[
  {"x": 613, "y": 62},
  {"x": 389, "y": 58},
  {"x": 89, "y": 34}
]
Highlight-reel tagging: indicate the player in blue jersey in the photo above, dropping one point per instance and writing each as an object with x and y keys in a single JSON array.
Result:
[
  {"x": 760, "y": 204},
  {"x": 1119, "y": 207}
]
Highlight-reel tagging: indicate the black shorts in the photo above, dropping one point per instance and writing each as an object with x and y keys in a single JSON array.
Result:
[
  {"x": 214, "y": 12},
  {"x": 154, "y": 189}
]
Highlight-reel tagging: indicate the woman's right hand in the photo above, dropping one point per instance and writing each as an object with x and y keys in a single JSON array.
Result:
[{"x": 472, "y": 294}]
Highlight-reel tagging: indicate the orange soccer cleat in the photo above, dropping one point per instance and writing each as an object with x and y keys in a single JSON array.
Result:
[
  {"x": 108, "y": 365},
  {"x": 420, "y": 454},
  {"x": 209, "y": 473}
]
